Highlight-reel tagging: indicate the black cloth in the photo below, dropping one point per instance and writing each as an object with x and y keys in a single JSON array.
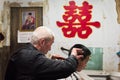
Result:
[{"x": 28, "y": 63}]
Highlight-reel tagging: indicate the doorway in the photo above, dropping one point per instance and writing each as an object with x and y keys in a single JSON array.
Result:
[{"x": 15, "y": 21}]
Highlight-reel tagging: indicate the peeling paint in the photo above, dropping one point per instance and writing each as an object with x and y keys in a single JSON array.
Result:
[
  {"x": 15, "y": 4},
  {"x": 118, "y": 10},
  {"x": 33, "y": 3}
]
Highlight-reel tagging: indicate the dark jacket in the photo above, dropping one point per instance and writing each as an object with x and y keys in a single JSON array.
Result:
[{"x": 28, "y": 63}]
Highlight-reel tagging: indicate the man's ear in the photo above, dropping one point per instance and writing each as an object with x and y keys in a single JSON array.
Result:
[{"x": 42, "y": 42}]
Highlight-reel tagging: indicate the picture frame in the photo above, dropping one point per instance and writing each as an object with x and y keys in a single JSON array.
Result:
[{"x": 28, "y": 19}]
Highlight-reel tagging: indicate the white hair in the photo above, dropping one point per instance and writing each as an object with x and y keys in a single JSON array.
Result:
[{"x": 40, "y": 33}]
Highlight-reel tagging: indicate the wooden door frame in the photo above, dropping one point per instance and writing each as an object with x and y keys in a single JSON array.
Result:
[{"x": 15, "y": 22}]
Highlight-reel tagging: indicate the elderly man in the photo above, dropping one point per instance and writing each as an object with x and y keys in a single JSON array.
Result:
[{"x": 30, "y": 63}]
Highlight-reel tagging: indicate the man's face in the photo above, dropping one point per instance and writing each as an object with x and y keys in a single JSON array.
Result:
[
  {"x": 82, "y": 64},
  {"x": 47, "y": 46}
]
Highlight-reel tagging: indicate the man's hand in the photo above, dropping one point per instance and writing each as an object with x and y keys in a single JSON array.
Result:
[{"x": 78, "y": 53}]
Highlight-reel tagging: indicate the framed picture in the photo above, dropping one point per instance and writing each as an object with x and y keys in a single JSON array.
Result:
[{"x": 28, "y": 19}]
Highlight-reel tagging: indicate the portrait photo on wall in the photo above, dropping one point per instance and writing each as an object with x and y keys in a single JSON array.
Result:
[{"x": 28, "y": 20}]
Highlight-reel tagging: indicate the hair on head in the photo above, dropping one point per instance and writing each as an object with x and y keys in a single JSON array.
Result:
[
  {"x": 40, "y": 33},
  {"x": 86, "y": 53}
]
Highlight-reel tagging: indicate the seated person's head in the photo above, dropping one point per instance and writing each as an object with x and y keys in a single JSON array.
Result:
[{"x": 86, "y": 55}]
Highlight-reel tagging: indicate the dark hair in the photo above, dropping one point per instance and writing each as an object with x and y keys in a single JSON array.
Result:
[
  {"x": 30, "y": 13},
  {"x": 1, "y": 36},
  {"x": 86, "y": 53}
]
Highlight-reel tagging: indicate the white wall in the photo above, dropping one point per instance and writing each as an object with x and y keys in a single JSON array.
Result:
[{"x": 106, "y": 37}]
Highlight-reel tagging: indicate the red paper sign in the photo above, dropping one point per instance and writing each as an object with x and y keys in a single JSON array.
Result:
[{"x": 77, "y": 20}]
